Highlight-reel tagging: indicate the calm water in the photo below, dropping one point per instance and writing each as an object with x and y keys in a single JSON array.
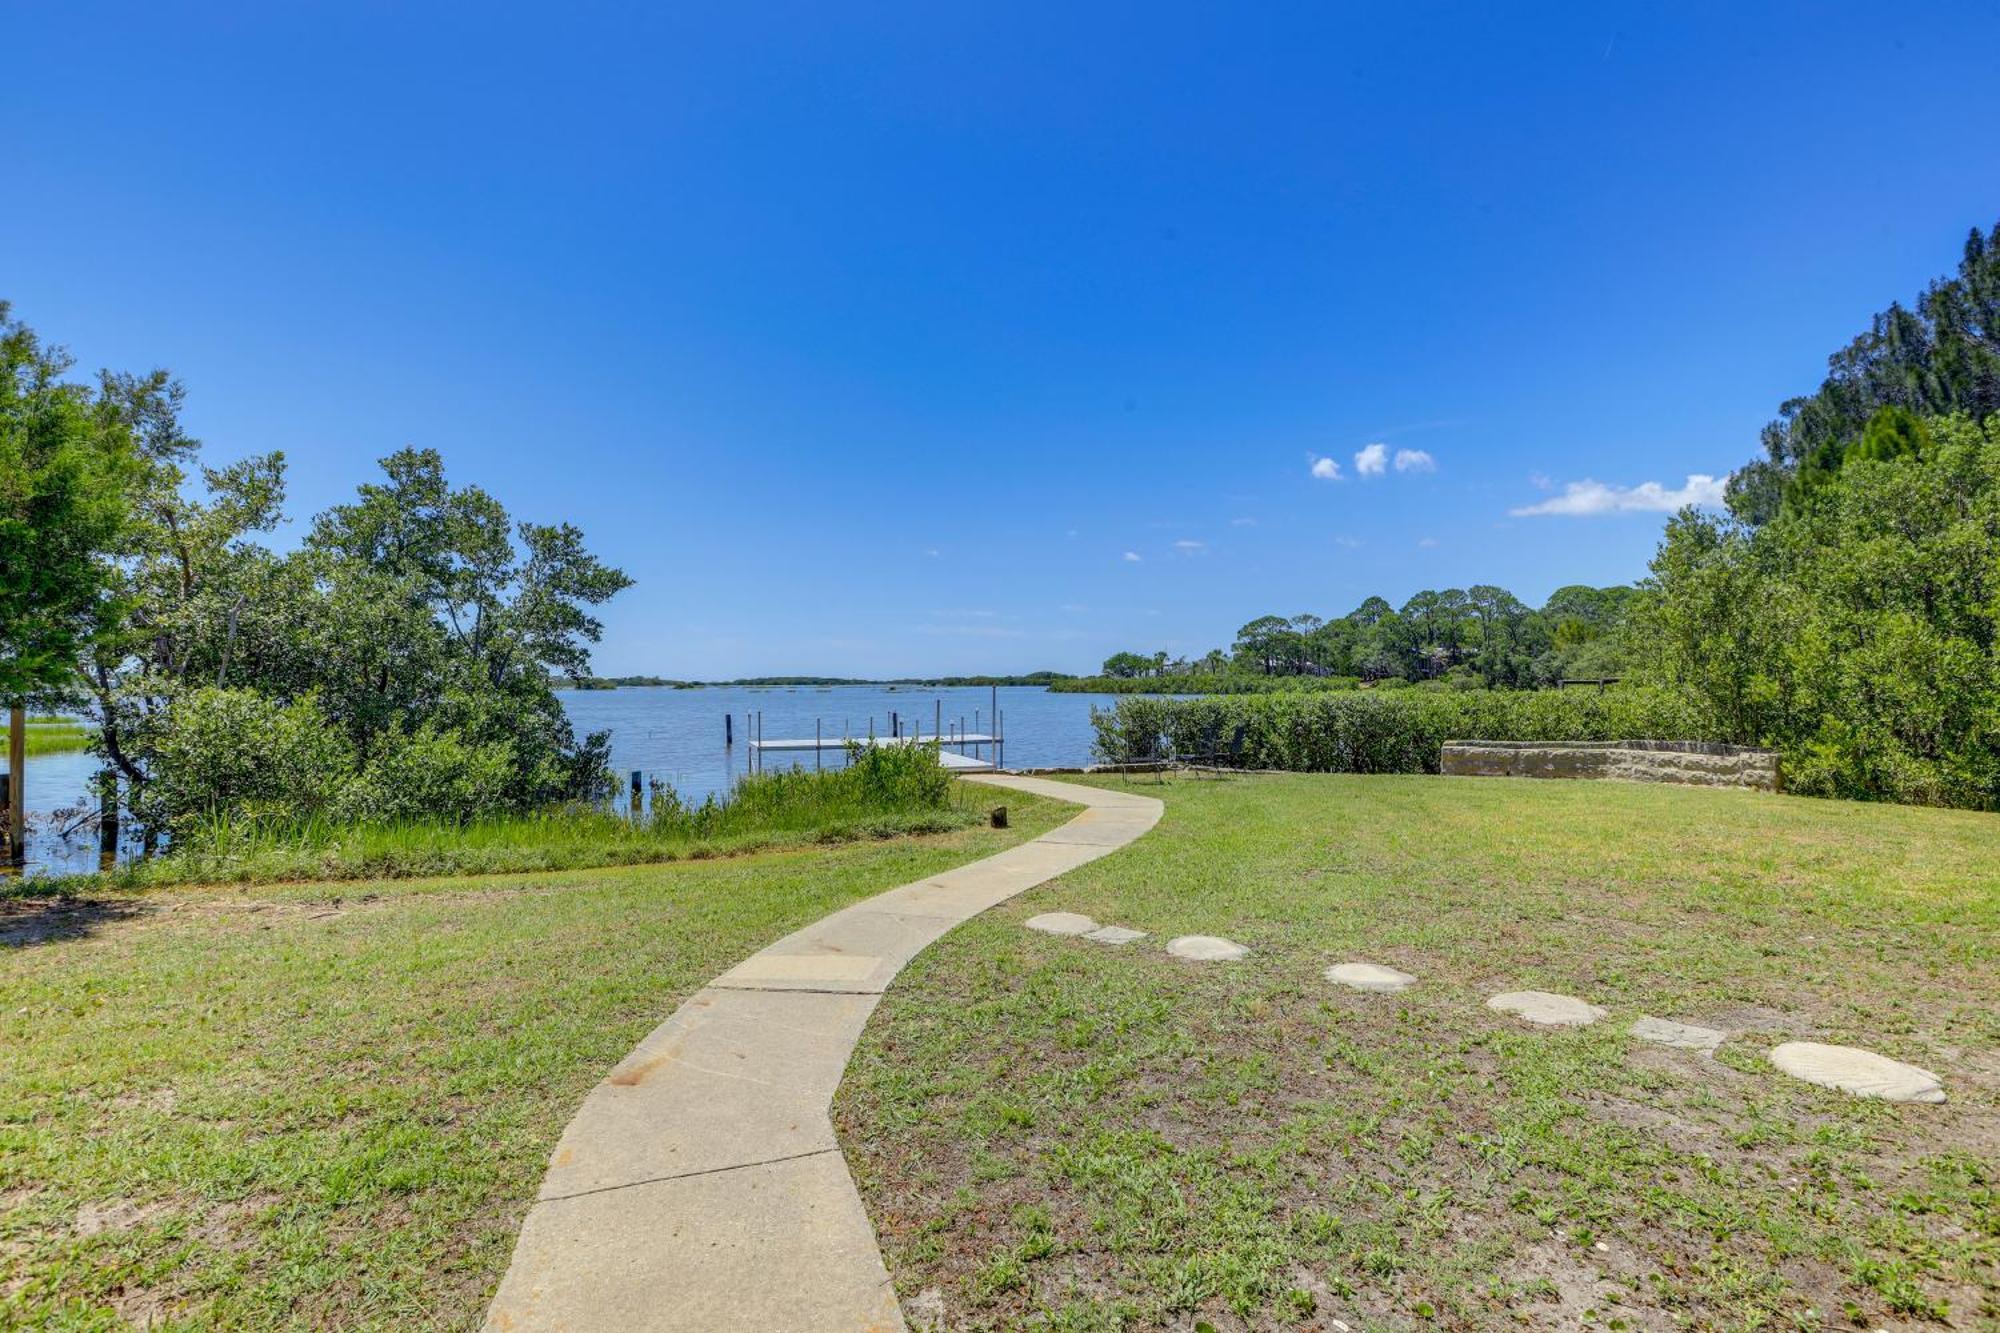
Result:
[{"x": 676, "y": 736}]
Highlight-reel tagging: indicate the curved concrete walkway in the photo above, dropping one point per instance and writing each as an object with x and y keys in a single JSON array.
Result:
[{"x": 700, "y": 1186}]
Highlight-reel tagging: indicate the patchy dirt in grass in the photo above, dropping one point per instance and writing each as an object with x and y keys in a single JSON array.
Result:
[
  {"x": 94, "y": 1219},
  {"x": 1050, "y": 1136}
]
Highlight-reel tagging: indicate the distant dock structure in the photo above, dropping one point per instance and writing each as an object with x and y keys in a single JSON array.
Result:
[{"x": 962, "y": 747}]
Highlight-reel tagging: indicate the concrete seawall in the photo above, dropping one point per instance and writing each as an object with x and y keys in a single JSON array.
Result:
[{"x": 1697, "y": 763}]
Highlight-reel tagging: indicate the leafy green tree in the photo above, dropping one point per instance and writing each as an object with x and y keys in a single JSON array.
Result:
[
  {"x": 1126, "y": 666},
  {"x": 420, "y": 624},
  {"x": 1267, "y": 644},
  {"x": 1855, "y": 630},
  {"x": 1941, "y": 357},
  {"x": 65, "y": 463}
]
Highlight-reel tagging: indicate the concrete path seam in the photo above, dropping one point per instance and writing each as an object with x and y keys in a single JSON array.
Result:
[
  {"x": 685, "y": 1175},
  {"x": 751, "y": 1219}
]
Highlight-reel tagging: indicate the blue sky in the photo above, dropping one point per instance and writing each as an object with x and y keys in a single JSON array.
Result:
[{"x": 926, "y": 338}]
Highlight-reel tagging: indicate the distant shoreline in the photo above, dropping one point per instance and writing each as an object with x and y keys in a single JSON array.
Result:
[{"x": 754, "y": 682}]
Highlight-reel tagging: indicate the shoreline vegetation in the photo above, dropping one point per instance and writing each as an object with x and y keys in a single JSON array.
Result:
[
  {"x": 1203, "y": 683},
  {"x": 1049, "y": 678},
  {"x": 1374, "y": 731},
  {"x": 56, "y": 735},
  {"x": 881, "y": 793}
]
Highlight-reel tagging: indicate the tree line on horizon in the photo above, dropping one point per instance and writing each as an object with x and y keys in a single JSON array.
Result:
[{"x": 1483, "y": 636}]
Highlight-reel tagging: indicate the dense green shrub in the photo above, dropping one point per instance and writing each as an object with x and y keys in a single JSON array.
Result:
[
  {"x": 238, "y": 750},
  {"x": 1371, "y": 731},
  {"x": 1228, "y": 682},
  {"x": 434, "y": 773}
]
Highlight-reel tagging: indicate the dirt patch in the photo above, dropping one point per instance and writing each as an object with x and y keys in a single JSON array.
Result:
[{"x": 94, "y": 1219}]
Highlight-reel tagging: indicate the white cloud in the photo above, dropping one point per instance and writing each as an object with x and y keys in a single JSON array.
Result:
[
  {"x": 1242, "y": 522},
  {"x": 1371, "y": 461},
  {"x": 1582, "y": 498},
  {"x": 1326, "y": 469},
  {"x": 1415, "y": 460},
  {"x": 1350, "y": 543},
  {"x": 932, "y": 552},
  {"x": 1189, "y": 546},
  {"x": 1427, "y": 543},
  {"x": 1541, "y": 481},
  {"x": 1132, "y": 557}
]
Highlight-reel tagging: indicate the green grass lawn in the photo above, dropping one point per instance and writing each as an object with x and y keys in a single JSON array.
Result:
[
  {"x": 1052, "y": 1133},
  {"x": 329, "y": 1106}
]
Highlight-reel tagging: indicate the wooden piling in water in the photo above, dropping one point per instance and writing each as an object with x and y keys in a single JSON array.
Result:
[
  {"x": 107, "y": 813},
  {"x": 17, "y": 786}
]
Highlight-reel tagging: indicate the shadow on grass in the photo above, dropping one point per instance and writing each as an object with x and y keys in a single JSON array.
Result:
[{"x": 54, "y": 920}]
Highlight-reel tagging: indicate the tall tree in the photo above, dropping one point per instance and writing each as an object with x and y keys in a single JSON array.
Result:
[
  {"x": 65, "y": 464},
  {"x": 1941, "y": 357}
]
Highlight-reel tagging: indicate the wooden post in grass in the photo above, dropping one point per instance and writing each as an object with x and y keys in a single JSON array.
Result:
[
  {"x": 17, "y": 790},
  {"x": 815, "y": 745},
  {"x": 635, "y": 793}
]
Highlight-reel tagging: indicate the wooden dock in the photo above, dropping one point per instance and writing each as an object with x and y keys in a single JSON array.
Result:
[{"x": 947, "y": 744}]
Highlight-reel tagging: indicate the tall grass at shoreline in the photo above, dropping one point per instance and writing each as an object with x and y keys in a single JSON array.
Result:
[
  {"x": 55, "y": 735},
  {"x": 881, "y": 793}
]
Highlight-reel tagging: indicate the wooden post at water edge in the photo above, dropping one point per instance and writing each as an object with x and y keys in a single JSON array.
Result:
[
  {"x": 107, "y": 817},
  {"x": 17, "y": 790}
]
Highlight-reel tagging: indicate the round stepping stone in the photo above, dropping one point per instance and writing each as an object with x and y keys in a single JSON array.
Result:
[
  {"x": 1061, "y": 923},
  {"x": 1687, "y": 1036},
  {"x": 1370, "y": 977},
  {"x": 1115, "y": 935},
  {"x": 1207, "y": 949},
  {"x": 1546, "y": 1009},
  {"x": 1863, "y": 1073}
]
